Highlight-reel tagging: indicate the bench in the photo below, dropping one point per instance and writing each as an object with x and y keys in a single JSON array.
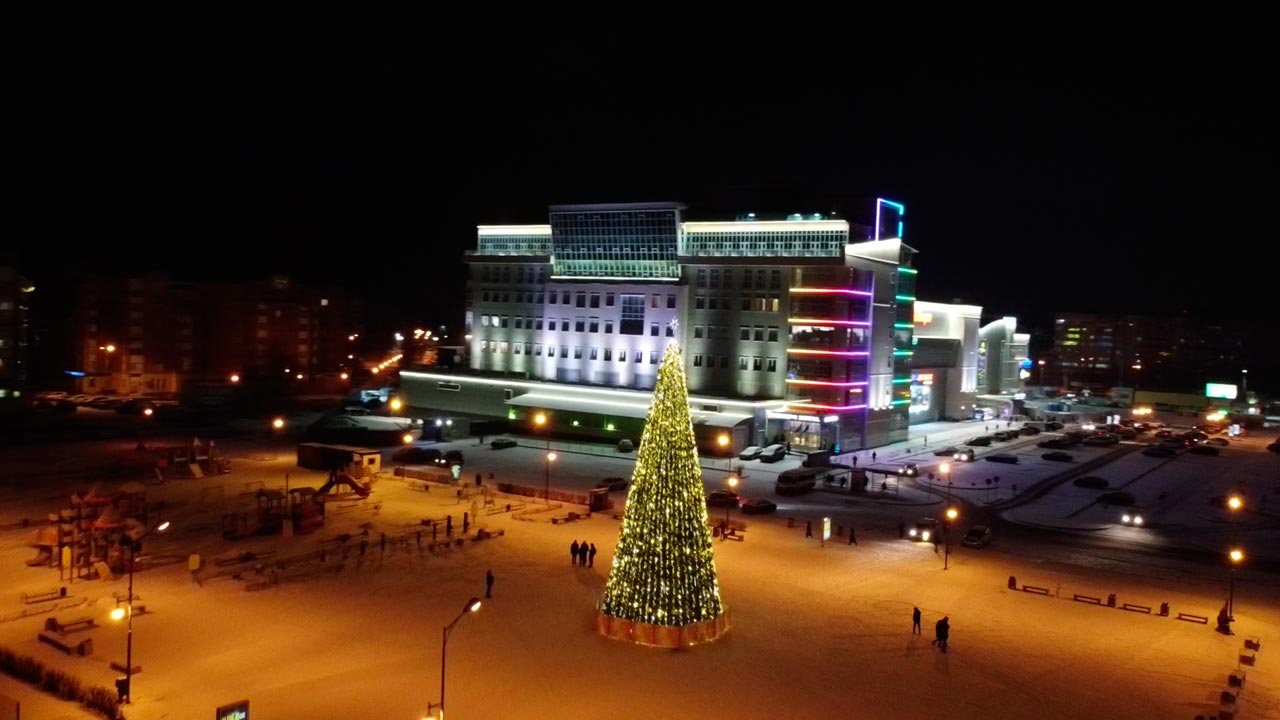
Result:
[
  {"x": 62, "y": 627},
  {"x": 1248, "y": 658},
  {"x": 1136, "y": 608},
  {"x": 734, "y": 535},
  {"x": 1236, "y": 679},
  {"x": 1188, "y": 617},
  {"x": 483, "y": 534},
  {"x": 44, "y": 595},
  {"x": 84, "y": 648},
  {"x": 1252, "y": 642},
  {"x": 1035, "y": 590},
  {"x": 1087, "y": 599}
]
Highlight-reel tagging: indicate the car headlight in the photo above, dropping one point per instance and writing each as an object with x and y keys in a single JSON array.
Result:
[
  {"x": 924, "y": 535},
  {"x": 912, "y": 533},
  {"x": 1125, "y": 519},
  {"x": 1137, "y": 519}
]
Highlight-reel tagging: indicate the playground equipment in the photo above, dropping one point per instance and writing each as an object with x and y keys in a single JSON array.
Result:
[
  {"x": 343, "y": 477},
  {"x": 88, "y": 532},
  {"x": 306, "y": 509},
  {"x": 196, "y": 459},
  {"x": 266, "y": 519}
]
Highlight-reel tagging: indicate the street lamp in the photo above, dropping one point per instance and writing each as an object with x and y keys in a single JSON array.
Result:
[
  {"x": 472, "y": 605},
  {"x": 396, "y": 404},
  {"x": 732, "y": 481},
  {"x": 945, "y": 470},
  {"x": 1040, "y": 365},
  {"x": 123, "y": 686},
  {"x": 1237, "y": 556},
  {"x": 540, "y": 420},
  {"x": 952, "y": 514}
]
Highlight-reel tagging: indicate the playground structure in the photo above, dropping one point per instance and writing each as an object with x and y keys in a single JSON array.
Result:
[
  {"x": 197, "y": 459},
  {"x": 304, "y": 507},
  {"x": 85, "y": 537}
]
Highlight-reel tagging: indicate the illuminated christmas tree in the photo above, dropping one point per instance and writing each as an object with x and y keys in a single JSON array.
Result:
[{"x": 662, "y": 589}]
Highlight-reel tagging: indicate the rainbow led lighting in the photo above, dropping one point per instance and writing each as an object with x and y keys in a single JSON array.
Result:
[
  {"x": 830, "y": 291},
  {"x": 821, "y": 321},
  {"x": 903, "y": 353},
  {"x": 836, "y": 353},
  {"x": 904, "y": 326},
  {"x": 904, "y": 298},
  {"x": 824, "y": 383},
  {"x": 827, "y": 407},
  {"x": 901, "y": 381},
  {"x": 909, "y": 271},
  {"x": 902, "y": 210},
  {"x": 900, "y": 402}
]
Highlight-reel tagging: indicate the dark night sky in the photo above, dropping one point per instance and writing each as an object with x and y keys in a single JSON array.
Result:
[{"x": 1138, "y": 184}]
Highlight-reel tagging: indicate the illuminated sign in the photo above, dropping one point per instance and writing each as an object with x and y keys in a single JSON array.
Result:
[
  {"x": 923, "y": 318},
  {"x": 922, "y": 378},
  {"x": 234, "y": 711},
  {"x": 1025, "y": 363},
  {"x": 1220, "y": 390}
]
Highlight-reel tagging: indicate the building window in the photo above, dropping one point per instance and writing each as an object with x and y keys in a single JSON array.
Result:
[
  {"x": 484, "y": 346},
  {"x": 653, "y": 300},
  {"x": 502, "y": 348},
  {"x": 594, "y": 353},
  {"x": 728, "y": 278},
  {"x": 671, "y": 330},
  {"x": 742, "y": 362},
  {"x": 622, "y": 355},
  {"x": 581, "y": 300},
  {"x": 577, "y": 352},
  {"x": 711, "y": 361},
  {"x": 564, "y": 352},
  {"x": 773, "y": 333},
  {"x": 520, "y": 274},
  {"x": 551, "y": 351},
  {"x": 715, "y": 278},
  {"x": 756, "y": 364},
  {"x": 759, "y": 335},
  {"x": 700, "y": 302},
  {"x": 608, "y": 299},
  {"x": 772, "y": 365},
  {"x": 746, "y": 279},
  {"x": 537, "y": 349},
  {"x": 564, "y": 298},
  {"x": 506, "y": 297},
  {"x": 653, "y": 327},
  {"x": 639, "y": 356},
  {"x": 595, "y": 300},
  {"x": 671, "y": 301},
  {"x": 484, "y": 296},
  {"x": 505, "y": 319},
  {"x": 608, "y": 354},
  {"x": 775, "y": 279},
  {"x": 760, "y": 279},
  {"x": 632, "y": 315},
  {"x": 744, "y": 333},
  {"x": 528, "y": 297},
  {"x": 724, "y": 361},
  {"x": 608, "y": 327},
  {"x": 528, "y": 348},
  {"x": 519, "y": 323},
  {"x": 653, "y": 357},
  {"x": 746, "y": 303},
  {"x": 515, "y": 348},
  {"x": 537, "y": 324},
  {"x": 713, "y": 303},
  {"x": 697, "y": 360},
  {"x": 539, "y": 298},
  {"x": 702, "y": 278},
  {"x": 774, "y": 303},
  {"x": 579, "y": 324},
  {"x": 697, "y": 331},
  {"x": 551, "y": 297},
  {"x": 594, "y": 325}
]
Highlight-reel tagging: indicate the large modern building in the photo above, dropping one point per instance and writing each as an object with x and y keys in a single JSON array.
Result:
[
  {"x": 15, "y": 292},
  {"x": 796, "y": 330},
  {"x": 944, "y": 368}
]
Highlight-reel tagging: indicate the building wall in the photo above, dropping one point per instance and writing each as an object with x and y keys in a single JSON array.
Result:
[{"x": 15, "y": 298}]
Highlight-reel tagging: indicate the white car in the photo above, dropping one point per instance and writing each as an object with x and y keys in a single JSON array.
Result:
[{"x": 750, "y": 453}]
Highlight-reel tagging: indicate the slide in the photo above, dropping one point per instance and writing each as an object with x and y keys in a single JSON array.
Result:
[
  {"x": 342, "y": 478},
  {"x": 41, "y": 558}
]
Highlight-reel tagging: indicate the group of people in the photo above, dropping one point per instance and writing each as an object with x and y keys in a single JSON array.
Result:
[
  {"x": 582, "y": 554},
  {"x": 941, "y": 629}
]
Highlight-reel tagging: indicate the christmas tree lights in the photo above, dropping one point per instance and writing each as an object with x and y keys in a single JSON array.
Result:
[{"x": 662, "y": 588}]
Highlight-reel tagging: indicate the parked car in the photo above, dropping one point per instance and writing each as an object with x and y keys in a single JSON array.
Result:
[
  {"x": 758, "y": 506},
  {"x": 79, "y": 399},
  {"x": 1175, "y": 443},
  {"x": 613, "y": 483},
  {"x": 136, "y": 406},
  {"x": 1125, "y": 433},
  {"x": 773, "y": 453},
  {"x": 1005, "y": 435},
  {"x": 1218, "y": 442},
  {"x": 1053, "y": 425},
  {"x": 1204, "y": 450},
  {"x": 980, "y": 441},
  {"x": 1054, "y": 444},
  {"x": 1160, "y": 451},
  {"x": 925, "y": 528},
  {"x": 722, "y": 498},
  {"x": 1028, "y": 430},
  {"x": 750, "y": 453},
  {"x": 417, "y": 455},
  {"x": 1058, "y": 456},
  {"x": 1003, "y": 458},
  {"x": 1164, "y": 434},
  {"x": 1274, "y": 447},
  {"x": 908, "y": 470},
  {"x": 1100, "y": 440},
  {"x": 946, "y": 451},
  {"x": 453, "y": 457},
  {"x": 502, "y": 443},
  {"x": 978, "y": 536},
  {"x": 963, "y": 455}
]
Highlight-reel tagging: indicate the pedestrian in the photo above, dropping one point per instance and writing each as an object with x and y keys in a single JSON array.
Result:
[
  {"x": 934, "y": 538},
  {"x": 488, "y": 583},
  {"x": 583, "y": 550},
  {"x": 902, "y": 529},
  {"x": 573, "y": 552},
  {"x": 788, "y": 448},
  {"x": 873, "y": 456},
  {"x": 944, "y": 632},
  {"x": 477, "y": 478},
  {"x": 855, "y": 461},
  {"x": 915, "y": 622},
  {"x": 926, "y": 439},
  {"x": 853, "y": 538},
  {"x": 808, "y": 528},
  {"x": 591, "y": 556}
]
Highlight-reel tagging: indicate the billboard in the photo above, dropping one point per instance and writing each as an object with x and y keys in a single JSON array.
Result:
[
  {"x": 234, "y": 711},
  {"x": 1220, "y": 390}
]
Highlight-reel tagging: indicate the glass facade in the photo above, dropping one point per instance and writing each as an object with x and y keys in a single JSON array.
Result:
[
  {"x": 623, "y": 241},
  {"x": 513, "y": 240},
  {"x": 812, "y": 238}
]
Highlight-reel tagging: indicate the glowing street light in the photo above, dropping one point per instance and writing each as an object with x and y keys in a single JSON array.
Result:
[
  {"x": 472, "y": 605},
  {"x": 235, "y": 378},
  {"x": 732, "y": 482},
  {"x": 124, "y": 685},
  {"x": 951, "y": 516},
  {"x": 723, "y": 440},
  {"x": 1234, "y": 502},
  {"x": 407, "y": 438},
  {"x": 278, "y": 423},
  {"x": 396, "y": 404},
  {"x": 344, "y": 376},
  {"x": 1236, "y": 556}
]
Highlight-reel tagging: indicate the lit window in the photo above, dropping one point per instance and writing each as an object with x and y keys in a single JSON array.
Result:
[
  {"x": 742, "y": 362},
  {"x": 697, "y": 360},
  {"x": 773, "y": 334},
  {"x": 671, "y": 301},
  {"x": 772, "y": 365},
  {"x": 653, "y": 357},
  {"x": 756, "y": 363}
]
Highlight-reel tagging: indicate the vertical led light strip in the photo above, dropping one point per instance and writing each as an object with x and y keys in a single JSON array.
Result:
[{"x": 902, "y": 210}]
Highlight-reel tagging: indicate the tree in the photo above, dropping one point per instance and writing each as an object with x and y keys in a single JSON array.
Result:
[{"x": 662, "y": 589}]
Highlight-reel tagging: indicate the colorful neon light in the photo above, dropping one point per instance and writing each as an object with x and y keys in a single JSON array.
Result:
[
  {"x": 900, "y": 402},
  {"x": 827, "y": 407},
  {"x": 902, "y": 210},
  {"x": 903, "y": 353},
  {"x": 822, "y": 321},
  {"x": 825, "y": 383},
  {"x": 904, "y": 298},
  {"x": 831, "y": 291},
  {"x": 909, "y": 271},
  {"x": 838, "y": 353},
  {"x": 901, "y": 381},
  {"x": 904, "y": 326}
]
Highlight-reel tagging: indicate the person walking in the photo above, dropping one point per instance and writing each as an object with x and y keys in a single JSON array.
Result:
[
  {"x": 915, "y": 622},
  {"x": 808, "y": 528},
  {"x": 853, "y": 538},
  {"x": 855, "y": 461},
  {"x": 488, "y": 583},
  {"x": 591, "y": 556},
  {"x": 582, "y": 554},
  {"x": 573, "y": 552},
  {"x": 873, "y": 456},
  {"x": 944, "y": 632}
]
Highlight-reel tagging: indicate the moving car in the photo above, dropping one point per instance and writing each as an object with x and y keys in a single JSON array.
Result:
[
  {"x": 908, "y": 470},
  {"x": 417, "y": 455},
  {"x": 452, "y": 457},
  {"x": 750, "y": 453},
  {"x": 1003, "y": 458},
  {"x": 1218, "y": 442},
  {"x": 502, "y": 443},
  {"x": 1175, "y": 443},
  {"x": 978, "y": 536},
  {"x": 1053, "y": 425},
  {"x": 1058, "y": 457},
  {"x": 722, "y": 498},
  {"x": 963, "y": 455},
  {"x": 1054, "y": 444},
  {"x": 1029, "y": 430},
  {"x": 1204, "y": 450},
  {"x": 981, "y": 441},
  {"x": 136, "y": 406},
  {"x": 1160, "y": 452},
  {"x": 758, "y": 506},
  {"x": 948, "y": 451},
  {"x": 1132, "y": 516},
  {"x": 1101, "y": 440},
  {"x": 925, "y": 529},
  {"x": 773, "y": 453}
]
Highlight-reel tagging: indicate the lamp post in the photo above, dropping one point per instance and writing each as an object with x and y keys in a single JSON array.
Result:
[
  {"x": 1236, "y": 556},
  {"x": 472, "y": 605},
  {"x": 945, "y": 470},
  {"x": 124, "y": 687},
  {"x": 1040, "y": 366},
  {"x": 540, "y": 420},
  {"x": 732, "y": 482},
  {"x": 952, "y": 514}
]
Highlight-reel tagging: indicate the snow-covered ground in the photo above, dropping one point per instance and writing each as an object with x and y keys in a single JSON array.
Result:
[{"x": 817, "y": 631}]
